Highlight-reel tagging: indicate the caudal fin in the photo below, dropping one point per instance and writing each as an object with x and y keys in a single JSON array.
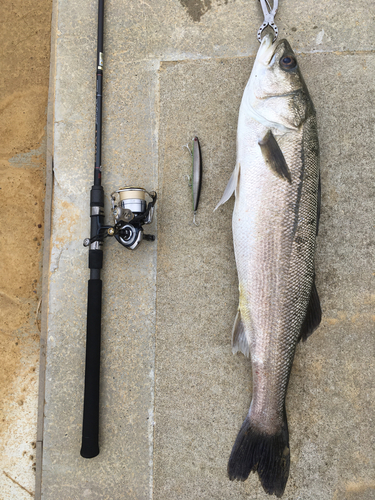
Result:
[{"x": 267, "y": 454}]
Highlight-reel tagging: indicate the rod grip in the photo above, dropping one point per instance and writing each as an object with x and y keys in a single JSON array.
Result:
[{"x": 90, "y": 427}]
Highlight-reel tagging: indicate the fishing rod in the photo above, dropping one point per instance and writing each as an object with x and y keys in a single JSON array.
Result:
[{"x": 130, "y": 211}]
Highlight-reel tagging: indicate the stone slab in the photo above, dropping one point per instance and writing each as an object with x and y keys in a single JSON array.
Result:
[
  {"x": 202, "y": 390},
  {"x": 125, "y": 462}
]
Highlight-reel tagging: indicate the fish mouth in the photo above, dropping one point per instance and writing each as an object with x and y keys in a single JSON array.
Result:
[{"x": 268, "y": 49}]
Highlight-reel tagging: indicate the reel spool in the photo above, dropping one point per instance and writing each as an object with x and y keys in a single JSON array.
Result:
[{"x": 130, "y": 212}]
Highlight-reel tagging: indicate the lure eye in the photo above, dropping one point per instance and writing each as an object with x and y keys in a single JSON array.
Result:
[{"x": 288, "y": 62}]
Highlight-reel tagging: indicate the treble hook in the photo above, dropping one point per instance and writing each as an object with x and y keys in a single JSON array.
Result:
[
  {"x": 194, "y": 221},
  {"x": 269, "y": 18}
]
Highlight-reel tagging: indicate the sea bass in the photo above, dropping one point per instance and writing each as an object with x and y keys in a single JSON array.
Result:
[{"x": 276, "y": 183}]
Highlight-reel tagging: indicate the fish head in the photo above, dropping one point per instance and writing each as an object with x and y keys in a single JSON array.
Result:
[{"x": 276, "y": 91}]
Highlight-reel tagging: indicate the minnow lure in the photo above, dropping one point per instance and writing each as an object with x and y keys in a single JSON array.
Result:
[{"x": 196, "y": 177}]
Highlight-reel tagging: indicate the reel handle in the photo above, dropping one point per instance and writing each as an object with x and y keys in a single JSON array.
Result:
[{"x": 90, "y": 427}]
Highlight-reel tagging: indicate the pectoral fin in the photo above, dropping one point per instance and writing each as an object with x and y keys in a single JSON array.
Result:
[
  {"x": 231, "y": 186},
  {"x": 313, "y": 315},
  {"x": 274, "y": 157}
]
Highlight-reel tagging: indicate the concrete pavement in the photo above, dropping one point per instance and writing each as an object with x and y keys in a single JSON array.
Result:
[{"x": 173, "y": 396}]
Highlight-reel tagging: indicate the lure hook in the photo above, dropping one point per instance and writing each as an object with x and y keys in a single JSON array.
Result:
[
  {"x": 194, "y": 221},
  {"x": 269, "y": 18}
]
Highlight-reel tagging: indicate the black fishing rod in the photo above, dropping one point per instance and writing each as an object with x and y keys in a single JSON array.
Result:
[
  {"x": 90, "y": 428},
  {"x": 130, "y": 211}
]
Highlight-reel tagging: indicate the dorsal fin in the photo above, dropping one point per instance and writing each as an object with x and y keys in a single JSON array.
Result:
[
  {"x": 274, "y": 157},
  {"x": 319, "y": 202},
  {"x": 313, "y": 315}
]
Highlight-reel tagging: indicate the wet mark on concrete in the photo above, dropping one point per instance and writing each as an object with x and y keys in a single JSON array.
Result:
[
  {"x": 196, "y": 8},
  {"x": 360, "y": 490}
]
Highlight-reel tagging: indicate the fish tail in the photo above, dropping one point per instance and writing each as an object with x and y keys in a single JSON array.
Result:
[{"x": 267, "y": 454}]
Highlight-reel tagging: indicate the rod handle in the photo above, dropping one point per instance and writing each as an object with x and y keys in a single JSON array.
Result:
[{"x": 90, "y": 427}]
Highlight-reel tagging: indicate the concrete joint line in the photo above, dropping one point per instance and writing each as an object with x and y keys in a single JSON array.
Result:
[{"x": 46, "y": 256}]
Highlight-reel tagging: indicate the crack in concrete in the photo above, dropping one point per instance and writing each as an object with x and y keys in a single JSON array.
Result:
[
  {"x": 55, "y": 265},
  {"x": 18, "y": 484},
  {"x": 9, "y": 297}
]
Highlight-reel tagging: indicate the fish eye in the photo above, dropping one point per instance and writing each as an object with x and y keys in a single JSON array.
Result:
[{"x": 288, "y": 62}]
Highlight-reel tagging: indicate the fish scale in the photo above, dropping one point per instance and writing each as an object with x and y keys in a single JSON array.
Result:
[{"x": 274, "y": 231}]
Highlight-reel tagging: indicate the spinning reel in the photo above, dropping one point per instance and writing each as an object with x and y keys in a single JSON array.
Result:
[{"x": 130, "y": 211}]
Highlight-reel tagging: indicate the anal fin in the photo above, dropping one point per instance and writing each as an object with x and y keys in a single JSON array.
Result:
[
  {"x": 239, "y": 339},
  {"x": 313, "y": 315}
]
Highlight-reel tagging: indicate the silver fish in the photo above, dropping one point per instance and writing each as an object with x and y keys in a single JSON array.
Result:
[{"x": 275, "y": 219}]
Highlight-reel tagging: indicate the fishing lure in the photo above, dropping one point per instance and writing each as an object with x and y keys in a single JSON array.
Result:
[{"x": 196, "y": 176}]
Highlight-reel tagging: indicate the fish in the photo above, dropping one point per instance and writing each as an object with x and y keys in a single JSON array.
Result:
[{"x": 276, "y": 183}]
